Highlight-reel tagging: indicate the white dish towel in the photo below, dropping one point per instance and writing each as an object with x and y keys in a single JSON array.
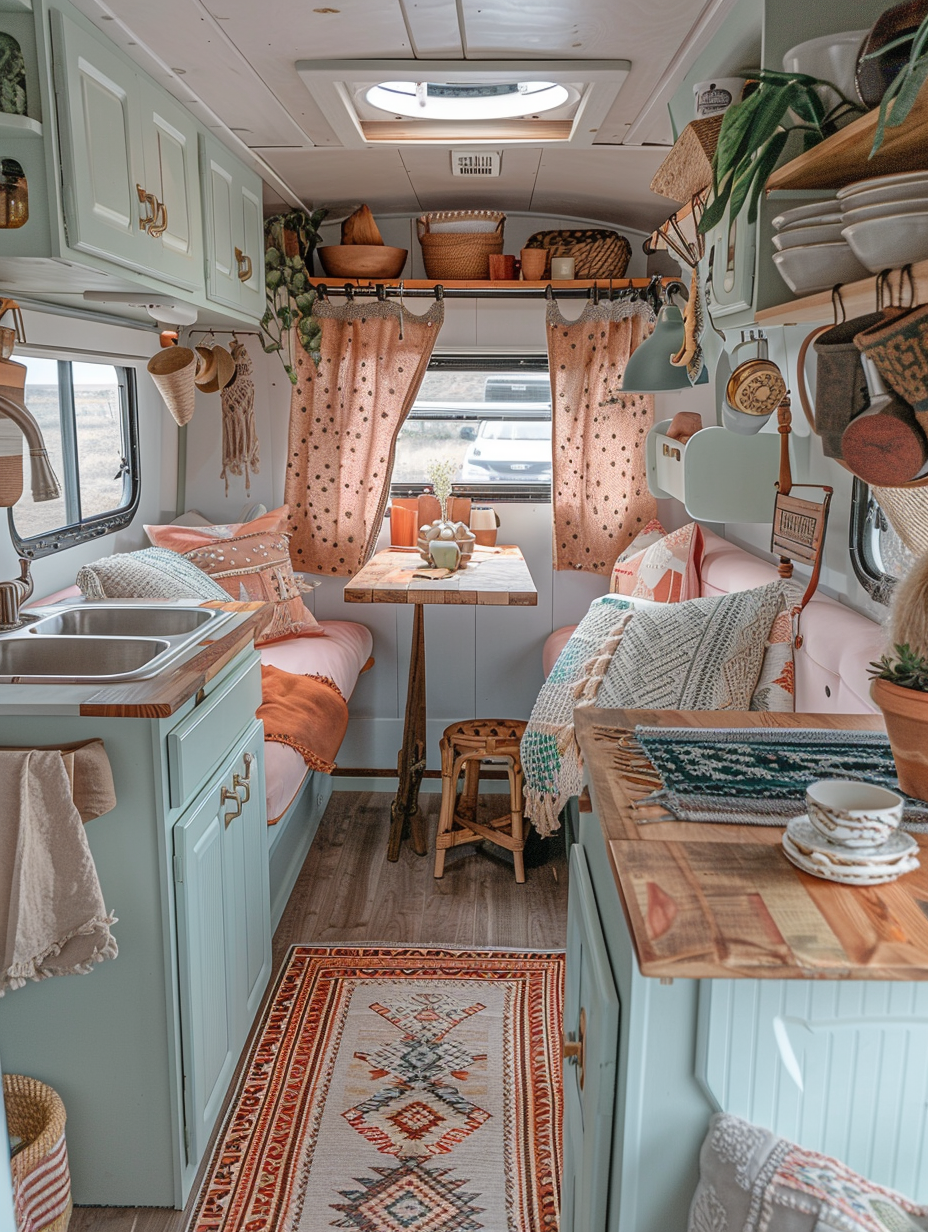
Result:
[{"x": 52, "y": 917}]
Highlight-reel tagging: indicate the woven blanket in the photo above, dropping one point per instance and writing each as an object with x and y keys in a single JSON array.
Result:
[
  {"x": 306, "y": 712},
  {"x": 746, "y": 776}
]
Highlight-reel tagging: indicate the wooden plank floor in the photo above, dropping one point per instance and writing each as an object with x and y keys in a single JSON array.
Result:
[{"x": 349, "y": 892}]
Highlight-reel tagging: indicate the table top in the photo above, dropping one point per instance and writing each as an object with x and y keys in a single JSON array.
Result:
[
  {"x": 723, "y": 901},
  {"x": 494, "y": 576}
]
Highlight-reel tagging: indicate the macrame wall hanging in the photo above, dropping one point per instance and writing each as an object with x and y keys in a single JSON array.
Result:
[{"x": 240, "y": 446}]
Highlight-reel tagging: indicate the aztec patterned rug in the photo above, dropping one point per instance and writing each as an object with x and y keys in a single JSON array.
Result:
[{"x": 397, "y": 1090}]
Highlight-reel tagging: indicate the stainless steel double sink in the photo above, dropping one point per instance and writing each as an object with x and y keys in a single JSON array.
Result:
[{"x": 104, "y": 642}]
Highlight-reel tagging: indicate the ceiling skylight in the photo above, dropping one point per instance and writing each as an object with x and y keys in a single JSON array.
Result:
[{"x": 467, "y": 101}]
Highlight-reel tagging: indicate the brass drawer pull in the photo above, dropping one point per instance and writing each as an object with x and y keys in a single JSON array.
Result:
[
  {"x": 160, "y": 222},
  {"x": 574, "y": 1049},
  {"x": 244, "y": 780},
  {"x": 670, "y": 452},
  {"x": 147, "y": 199},
  {"x": 244, "y": 265},
  {"x": 228, "y": 794}
]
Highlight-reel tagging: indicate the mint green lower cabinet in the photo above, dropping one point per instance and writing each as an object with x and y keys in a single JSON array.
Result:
[
  {"x": 141, "y": 1050},
  {"x": 591, "y": 1018}
]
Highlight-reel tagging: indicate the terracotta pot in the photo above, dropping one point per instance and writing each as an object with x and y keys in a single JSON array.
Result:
[{"x": 905, "y": 712}]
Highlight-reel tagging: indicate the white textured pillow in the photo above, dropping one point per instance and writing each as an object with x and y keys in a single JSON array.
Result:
[{"x": 152, "y": 573}]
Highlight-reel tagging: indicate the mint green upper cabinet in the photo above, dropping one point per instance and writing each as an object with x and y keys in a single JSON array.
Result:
[
  {"x": 169, "y": 145},
  {"x": 101, "y": 156},
  {"x": 234, "y": 230}
]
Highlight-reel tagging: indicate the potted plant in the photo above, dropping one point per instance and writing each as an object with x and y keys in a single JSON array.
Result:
[
  {"x": 900, "y": 681},
  {"x": 906, "y": 86},
  {"x": 755, "y": 131}
]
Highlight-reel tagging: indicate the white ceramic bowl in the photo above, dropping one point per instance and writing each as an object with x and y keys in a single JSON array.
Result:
[
  {"x": 888, "y": 242},
  {"x": 902, "y": 181},
  {"x": 817, "y": 233},
  {"x": 888, "y": 209},
  {"x": 851, "y": 813},
  {"x": 817, "y": 267},
  {"x": 831, "y": 57},
  {"x": 801, "y": 215},
  {"x": 892, "y": 194}
]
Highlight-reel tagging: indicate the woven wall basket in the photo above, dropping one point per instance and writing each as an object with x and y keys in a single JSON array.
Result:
[
  {"x": 173, "y": 370},
  {"x": 597, "y": 253},
  {"x": 687, "y": 169},
  {"x": 41, "y": 1178},
  {"x": 459, "y": 254}
]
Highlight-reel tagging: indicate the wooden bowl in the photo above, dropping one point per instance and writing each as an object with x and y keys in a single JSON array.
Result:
[{"x": 362, "y": 260}]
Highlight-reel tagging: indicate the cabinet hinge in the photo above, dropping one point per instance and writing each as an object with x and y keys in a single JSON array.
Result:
[{"x": 178, "y": 869}]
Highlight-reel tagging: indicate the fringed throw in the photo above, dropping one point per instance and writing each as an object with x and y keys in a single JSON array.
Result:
[
  {"x": 308, "y": 713},
  {"x": 241, "y": 452}
]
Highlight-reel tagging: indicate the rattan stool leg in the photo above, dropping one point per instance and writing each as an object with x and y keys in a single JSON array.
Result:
[
  {"x": 446, "y": 816},
  {"x": 515, "y": 820}
]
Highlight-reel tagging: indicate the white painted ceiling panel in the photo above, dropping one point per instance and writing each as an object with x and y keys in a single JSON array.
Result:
[
  {"x": 610, "y": 183},
  {"x": 322, "y": 177},
  {"x": 296, "y": 30},
  {"x": 433, "y": 29},
  {"x": 429, "y": 172},
  {"x": 504, "y": 29}
]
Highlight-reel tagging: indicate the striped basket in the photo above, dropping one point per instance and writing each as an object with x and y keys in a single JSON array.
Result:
[
  {"x": 455, "y": 252},
  {"x": 41, "y": 1179}
]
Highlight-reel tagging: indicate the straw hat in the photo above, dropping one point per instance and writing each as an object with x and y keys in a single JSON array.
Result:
[
  {"x": 217, "y": 371},
  {"x": 173, "y": 370}
]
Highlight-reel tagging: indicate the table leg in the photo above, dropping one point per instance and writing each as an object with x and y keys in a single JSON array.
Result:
[{"x": 405, "y": 815}]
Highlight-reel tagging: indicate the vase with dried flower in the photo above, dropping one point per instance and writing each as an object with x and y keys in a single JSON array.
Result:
[{"x": 444, "y": 543}]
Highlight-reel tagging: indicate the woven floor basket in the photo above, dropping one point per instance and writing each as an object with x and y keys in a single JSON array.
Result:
[
  {"x": 35, "y": 1113},
  {"x": 459, "y": 254}
]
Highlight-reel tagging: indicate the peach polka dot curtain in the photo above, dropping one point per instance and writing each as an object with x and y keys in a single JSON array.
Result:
[
  {"x": 345, "y": 417},
  {"x": 598, "y": 483}
]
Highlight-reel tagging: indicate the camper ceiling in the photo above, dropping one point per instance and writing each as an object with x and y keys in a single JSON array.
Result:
[{"x": 234, "y": 64}]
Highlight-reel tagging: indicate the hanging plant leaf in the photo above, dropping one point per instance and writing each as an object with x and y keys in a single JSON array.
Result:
[{"x": 290, "y": 240}]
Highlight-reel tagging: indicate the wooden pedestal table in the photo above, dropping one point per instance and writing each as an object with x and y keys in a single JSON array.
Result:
[{"x": 494, "y": 577}]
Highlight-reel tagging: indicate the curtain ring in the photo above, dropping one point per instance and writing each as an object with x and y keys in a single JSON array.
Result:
[
  {"x": 322, "y": 291},
  {"x": 595, "y": 290},
  {"x": 349, "y": 292},
  {"x": 549, "y": 293},
  {"x": 402, "y": 308},
  {"x": 381, "y": 293},
  {"x": 439, "y": 292}
]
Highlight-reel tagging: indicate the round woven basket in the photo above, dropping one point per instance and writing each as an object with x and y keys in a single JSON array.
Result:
[
  {"x": 36, "y": 1115},
  {"x": 459, "y": 254}
]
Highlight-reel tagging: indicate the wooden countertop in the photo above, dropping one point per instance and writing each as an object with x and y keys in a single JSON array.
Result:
[
  {"x": 723, "y": 901},
  {"x": 164, "y": 694}
]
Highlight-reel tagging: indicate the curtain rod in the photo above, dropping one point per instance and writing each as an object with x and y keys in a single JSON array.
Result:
[{"x": 639, "y": 287}]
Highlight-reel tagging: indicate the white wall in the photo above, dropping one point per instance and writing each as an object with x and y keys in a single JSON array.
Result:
[{"x": 76, "y": 338}]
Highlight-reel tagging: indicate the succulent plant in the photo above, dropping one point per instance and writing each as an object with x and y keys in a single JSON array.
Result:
[{"x": 905, "y": 668}]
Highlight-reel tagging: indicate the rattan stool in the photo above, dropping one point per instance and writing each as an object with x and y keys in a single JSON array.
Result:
[{"x": 464, "y": 746}]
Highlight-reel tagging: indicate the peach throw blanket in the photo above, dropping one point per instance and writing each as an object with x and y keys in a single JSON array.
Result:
[{"x": 306, "y": 712}]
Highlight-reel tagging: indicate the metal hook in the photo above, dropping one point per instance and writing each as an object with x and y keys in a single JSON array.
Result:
[
  {"x": 349, "y": 292},
  {"x": 402, "y": 307},
  {"x": 381, "y": 293},
  {"x": 439, "y": 292},
  {"x": 549, "y": 293},
  {"x": 322, "y": 291}
]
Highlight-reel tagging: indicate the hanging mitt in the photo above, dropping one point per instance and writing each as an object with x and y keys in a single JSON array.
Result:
[{"x": 240, "y": 446}]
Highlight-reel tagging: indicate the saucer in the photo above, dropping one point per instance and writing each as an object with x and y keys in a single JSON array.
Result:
[
  {"x": 804, "y": 834},
  {"x": 805, "y": 847}
]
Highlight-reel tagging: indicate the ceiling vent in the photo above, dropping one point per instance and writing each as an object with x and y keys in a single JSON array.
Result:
[{"x": 476, "y": 164}]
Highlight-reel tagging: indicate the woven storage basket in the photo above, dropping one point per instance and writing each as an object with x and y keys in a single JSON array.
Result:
[
  {"x": 173, "y": 370},
  {"x": 596, "y": 252},
  {"x": 35, "y": 1113},
  {"x": 687, "y": 169},
  {"x": 459, "y": 254}
]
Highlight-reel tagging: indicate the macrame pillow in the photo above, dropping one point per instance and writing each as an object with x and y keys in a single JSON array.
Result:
[
  {"x": 257, "y": 567},
  {"x": 152, "y": 573},
  {"x": 666, "y": 570},
  {"x": 186, "y": 538},
  {"x": 753, "y": 1181}
]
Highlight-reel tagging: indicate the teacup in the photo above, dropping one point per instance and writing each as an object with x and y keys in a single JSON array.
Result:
[{"x": 852, "y": 813}]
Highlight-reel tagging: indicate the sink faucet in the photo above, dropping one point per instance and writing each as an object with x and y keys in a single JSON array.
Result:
[{"x": 13, "y": 594}]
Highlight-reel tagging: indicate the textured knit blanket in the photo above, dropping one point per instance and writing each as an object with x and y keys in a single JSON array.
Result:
[{"x": 306, "y": 712}]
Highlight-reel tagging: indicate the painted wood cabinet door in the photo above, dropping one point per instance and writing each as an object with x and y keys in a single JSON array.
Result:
[
  {"x": 234, "y": 221},
  {"x": 591, "y": 1019},
  {"x": 100, "y": 139},
  {"x": 169, "y": 145}
]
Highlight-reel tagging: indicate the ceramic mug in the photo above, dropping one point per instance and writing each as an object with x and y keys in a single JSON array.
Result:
[
  {"x": 852, "y": 813},
  {"x": 562, "y": 269},
  {"x": 534, "y": 263}
]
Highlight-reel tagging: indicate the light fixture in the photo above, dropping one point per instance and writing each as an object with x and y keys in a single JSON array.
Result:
[
  {"x": 649, "y": 370},
  {"x": 164, "y": 309},
  {"x": 431, "y": 100}
]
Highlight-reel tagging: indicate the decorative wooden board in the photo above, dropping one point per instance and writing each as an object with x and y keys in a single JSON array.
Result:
[
  {"x": 719, "y": 901},
  {"x": 164, "y": 694},
  {"x": 497, "y": 577}
]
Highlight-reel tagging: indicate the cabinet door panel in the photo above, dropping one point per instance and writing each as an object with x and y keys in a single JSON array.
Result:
[
  {"x": 203, "y": 862},
  {"x": 253, "y": 905},
  {"x": 252, "y": 247},
  {"x": 223, "y": 224},
  {"x": 169, "y": 138},
  {"x": 97, "y": 106},
  {"x": 591, "y": 999}
]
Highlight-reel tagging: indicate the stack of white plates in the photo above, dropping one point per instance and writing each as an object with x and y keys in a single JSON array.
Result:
[
  {"x": 885, "y": 219},
  {"x": 812, "y": 254}
]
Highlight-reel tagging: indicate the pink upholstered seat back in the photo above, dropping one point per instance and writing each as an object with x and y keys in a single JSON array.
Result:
[{"x": 838, "y": 644}]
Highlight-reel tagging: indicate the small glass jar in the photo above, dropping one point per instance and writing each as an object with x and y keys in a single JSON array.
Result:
[{"x": 14, "y": 195}]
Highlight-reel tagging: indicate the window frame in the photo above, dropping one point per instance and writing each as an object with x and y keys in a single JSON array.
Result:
[
  {"x": 864, "y": 512},
  {"x": 79, "y": 529},
  {"x": 498, "y": 493}
]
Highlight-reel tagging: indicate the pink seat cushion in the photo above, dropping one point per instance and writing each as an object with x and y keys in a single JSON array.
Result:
[
  {"x": 340, "y": 656},
  {"x": 553, "y": 647},
  {"x": 69, "y": 592}
]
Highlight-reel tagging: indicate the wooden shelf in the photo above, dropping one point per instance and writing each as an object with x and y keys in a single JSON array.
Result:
[
  {"x": 859, "y": 297},
  {"x": 478, "y": 284},
  {"x": 19, "y": 126},
  {"x": 845, "y": 157}
]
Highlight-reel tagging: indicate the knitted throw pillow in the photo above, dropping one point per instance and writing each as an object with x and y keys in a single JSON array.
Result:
[
  {"x": 753, "y": 1181},
  {"x": 666, "y": 571},
  {"x": 776, "y": 685},
  {"x": 152, "y": 573},
  {"x": 257, "y": 567}
]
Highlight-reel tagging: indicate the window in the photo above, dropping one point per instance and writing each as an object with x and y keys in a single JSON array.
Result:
[
  {"x": 878, "y": 555},
  {"x": 491, "y": 415},
  {"x": 87, "y": 415}
]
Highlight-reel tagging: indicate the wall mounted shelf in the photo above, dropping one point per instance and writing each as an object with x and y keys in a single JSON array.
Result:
[
  {"x": 690, "y": 473},
  {"x": 859, "y": 297},
  {"x": 18, "y": 125},
  {"x": 334, "y": 285},
  {"x": 845, "y": 157}
]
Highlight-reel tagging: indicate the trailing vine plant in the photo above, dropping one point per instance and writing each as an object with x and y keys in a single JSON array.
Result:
[{"x": 289, "y": 241}]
